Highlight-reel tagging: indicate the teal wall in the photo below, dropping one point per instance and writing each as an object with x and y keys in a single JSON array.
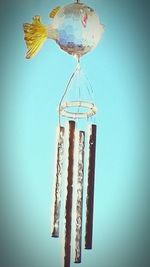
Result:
[{"x": 30, "y": 91}]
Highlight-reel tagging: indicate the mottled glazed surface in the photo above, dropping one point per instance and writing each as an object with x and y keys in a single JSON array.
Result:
[{"x": 79, "y": 29}]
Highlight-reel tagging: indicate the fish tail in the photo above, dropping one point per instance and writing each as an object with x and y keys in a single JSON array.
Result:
[{"x": 35, "y": 34}]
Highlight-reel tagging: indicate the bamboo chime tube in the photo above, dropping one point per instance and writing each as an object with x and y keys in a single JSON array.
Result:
[
  {"x": 90, "y": 187},
  {"x": 58, "y": 174},
  {"x": 79, "y": 196},
  {"x": 68, "y": 208}
]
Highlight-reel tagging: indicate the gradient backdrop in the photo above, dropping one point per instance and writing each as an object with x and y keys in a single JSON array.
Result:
[{"x": 30, "y": 91}]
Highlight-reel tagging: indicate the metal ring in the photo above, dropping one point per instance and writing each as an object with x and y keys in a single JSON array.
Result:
[{"x": 91, "y": 109}]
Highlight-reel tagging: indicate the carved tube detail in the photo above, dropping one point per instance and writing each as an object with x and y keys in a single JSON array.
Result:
[
  {"x": 90, "y": 187},
  {"x": 58, "y": 174},
  {"x": 79, "y": 196},
  {"x": 68, "y": 208}
]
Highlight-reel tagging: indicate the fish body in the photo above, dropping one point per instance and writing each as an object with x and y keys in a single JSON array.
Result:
[{"x": 75, "y": 28}]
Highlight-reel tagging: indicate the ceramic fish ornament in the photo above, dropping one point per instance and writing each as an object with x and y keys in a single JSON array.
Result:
[{"x": 75, "y": 28}]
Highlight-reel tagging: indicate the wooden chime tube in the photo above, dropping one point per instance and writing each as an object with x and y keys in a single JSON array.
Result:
[
  {"x": 90, "y": 187},
  {"x": 68, "y": 208},
  {"x": 58, "y": 174},
  {"x": 79, "y": 196}
]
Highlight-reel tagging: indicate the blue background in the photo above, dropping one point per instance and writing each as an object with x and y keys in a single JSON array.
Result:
[{"x": 30, "y": 91}]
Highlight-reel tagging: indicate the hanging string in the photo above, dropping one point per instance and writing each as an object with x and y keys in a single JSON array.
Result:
[
  {"x": 89, "y": 90},
  {"x": 67, "y": 87},
  {"x": 91, "y": 94}
]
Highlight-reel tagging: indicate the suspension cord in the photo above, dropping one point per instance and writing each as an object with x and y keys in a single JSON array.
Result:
[{"x": 67, "y": 87}]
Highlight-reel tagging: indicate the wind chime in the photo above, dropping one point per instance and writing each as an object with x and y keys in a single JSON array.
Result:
[
  {"x": 75, "y": 144},
  {"x": 77, "y": 30}
]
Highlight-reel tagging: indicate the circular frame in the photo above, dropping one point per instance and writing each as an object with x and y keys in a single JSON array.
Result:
[{"x": 91, "y": 109}]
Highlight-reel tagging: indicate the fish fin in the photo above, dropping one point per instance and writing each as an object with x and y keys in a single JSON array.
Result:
[
  {"x": 53, "y": 13},
  {"x": 34, "y": 35}
]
